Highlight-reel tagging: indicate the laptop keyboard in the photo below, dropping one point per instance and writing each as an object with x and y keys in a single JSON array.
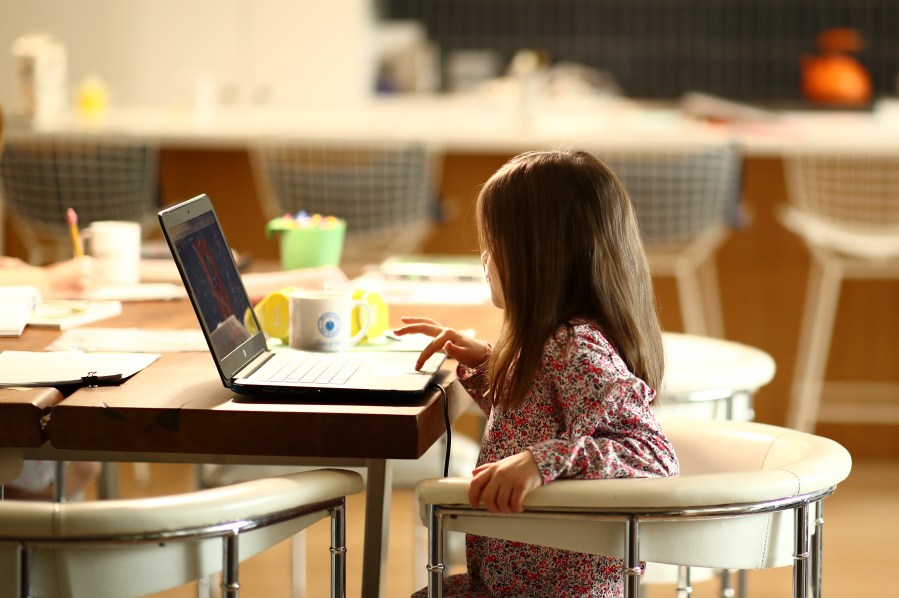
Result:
[{"x": 312, "y": 368}]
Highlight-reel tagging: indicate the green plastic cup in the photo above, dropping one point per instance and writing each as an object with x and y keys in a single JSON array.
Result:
[{"x": 307, "y": 247}]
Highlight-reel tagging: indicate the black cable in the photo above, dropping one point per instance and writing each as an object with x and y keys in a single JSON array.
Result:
[{"x": 449, "y": 431}]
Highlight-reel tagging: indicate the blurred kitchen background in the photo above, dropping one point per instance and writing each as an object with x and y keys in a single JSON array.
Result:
[{"x": 286, "y": 53}]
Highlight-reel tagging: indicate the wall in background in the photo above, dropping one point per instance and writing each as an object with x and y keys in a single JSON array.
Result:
[
  {"x": 156, "y": 52},
  {"x": 744, "y": 49}
]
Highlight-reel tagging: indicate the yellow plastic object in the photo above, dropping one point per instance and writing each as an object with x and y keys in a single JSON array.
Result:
[
  {"x": 378, "y": 309},
  {"x": 274, "y": 314}
]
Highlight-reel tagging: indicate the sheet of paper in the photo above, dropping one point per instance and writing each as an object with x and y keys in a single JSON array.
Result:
[
  {"x": 152, "y": 291},
  {"x": 55, "y": 368},
  {"x": 136, "y": 340},
  {"x": 425, "y": 292}
]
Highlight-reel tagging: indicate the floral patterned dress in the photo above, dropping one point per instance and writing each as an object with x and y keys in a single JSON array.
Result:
[{"x": 587, "y": 416}]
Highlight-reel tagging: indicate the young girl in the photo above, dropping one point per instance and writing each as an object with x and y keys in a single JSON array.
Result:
[{"x": 568, "y": 388}]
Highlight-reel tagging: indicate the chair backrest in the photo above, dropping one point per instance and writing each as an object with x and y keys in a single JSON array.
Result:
[
  {"x": 101, "y": 177},
  {"x": 133, "y": 547},
  {"x": 856, "y": 191},
  {"x": 730, "y": 507},
  {"x": 679, "y": 191},
  {"x": 378, "y": 188}
]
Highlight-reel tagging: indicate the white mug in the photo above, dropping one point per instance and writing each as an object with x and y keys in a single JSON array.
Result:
[
  {"x": 115, "y": 246},
  {"x": 321, "y": 320}
]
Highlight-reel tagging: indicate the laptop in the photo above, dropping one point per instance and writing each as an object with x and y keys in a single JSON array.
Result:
[{"x": 232, "y": 330}]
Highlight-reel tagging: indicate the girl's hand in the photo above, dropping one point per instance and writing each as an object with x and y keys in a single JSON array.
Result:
[
  {"x": 464, "y": 349},
  {"x": 501, "y": 486}
]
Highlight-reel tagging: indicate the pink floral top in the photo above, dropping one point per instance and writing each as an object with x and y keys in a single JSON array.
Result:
[{"x": 587, "y": 416}]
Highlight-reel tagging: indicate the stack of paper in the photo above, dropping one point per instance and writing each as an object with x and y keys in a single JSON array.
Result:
[
  {"x": 16, "y": 305},
  {"x": 62, "y": 314}
]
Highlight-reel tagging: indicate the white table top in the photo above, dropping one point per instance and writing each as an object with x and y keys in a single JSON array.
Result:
[{"x": 484, "y": 125}]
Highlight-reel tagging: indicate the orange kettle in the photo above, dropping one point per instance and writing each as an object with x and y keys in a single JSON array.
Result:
[{"x": 834, "y": 76}]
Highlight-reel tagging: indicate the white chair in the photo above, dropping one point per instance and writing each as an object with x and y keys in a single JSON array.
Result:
[
  {"x": 405, "y": 474},
  {"x": 845, "y": 207},
  {"x": 686, "y": 200},
  {"x": 709, "y": 378},
  {"x": 712, "y": 378},
  {"x": 743, "y": 501},
  {"x": 134, "y": 547},
  {"x": 385, "y": 191},
  {"x": 102, "y": 177}
]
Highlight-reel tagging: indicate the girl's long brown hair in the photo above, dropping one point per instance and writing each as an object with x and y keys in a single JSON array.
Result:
[{"x": 565, "y": 242}]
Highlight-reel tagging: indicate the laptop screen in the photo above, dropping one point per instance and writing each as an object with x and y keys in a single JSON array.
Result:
[{"x": 213, "y": 283}]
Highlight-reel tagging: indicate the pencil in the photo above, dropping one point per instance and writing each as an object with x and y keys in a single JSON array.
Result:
[{"x": 72, "y": 219}]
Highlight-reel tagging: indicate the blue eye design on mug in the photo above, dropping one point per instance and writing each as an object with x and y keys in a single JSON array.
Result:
[{"x": 329, "y": 324}]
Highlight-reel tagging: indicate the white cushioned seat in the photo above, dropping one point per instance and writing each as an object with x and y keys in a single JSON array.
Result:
[
  {"x": 732, "y": 506},
  {"x": 138, "y": 546}
]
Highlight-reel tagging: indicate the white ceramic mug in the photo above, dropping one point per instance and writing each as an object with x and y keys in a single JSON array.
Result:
[
  {"x": 321, "y": 320},
  {"x": 115, "y": 246}
]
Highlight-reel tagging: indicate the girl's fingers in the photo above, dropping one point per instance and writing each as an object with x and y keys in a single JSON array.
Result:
[
  {"x": 424, "y": 328},
  {"x": 433, "y": 347},
  {"x": 503, "y": 498},
  {"x": 476, "y": 487},
  {"x": 418, "y": 320}
]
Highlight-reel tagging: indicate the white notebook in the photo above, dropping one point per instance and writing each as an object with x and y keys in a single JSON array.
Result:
[
  {"x": 16, "y": 305},
  {"x": 62, "y": 314}
]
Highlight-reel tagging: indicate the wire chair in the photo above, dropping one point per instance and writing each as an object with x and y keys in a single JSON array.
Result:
[
  {"x": 845, "y": 207},
  {"x": 686, "y": 200},
  {"x": 384, "y": 191},
  {"x": 101, "y": 177}
]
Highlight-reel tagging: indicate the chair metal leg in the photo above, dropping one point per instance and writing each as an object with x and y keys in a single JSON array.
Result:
[
  {"x": 821, "y": 300},
  {"x": 204, "y": 587},
  {"x": 632, "y": 566},
  {"x": 230, "y": 565},
  {"x": 684, "y": 587},
  {"x": 59, "y": 482},
  {"x": 108, "y": 484},
  {"x": 298, "y": 564},
  {"x": 435, "y": 553},
  {"x": 801, "y": 553},
  {"x": 727, "y": 584},
  {"x": 338, "y": 551},
  {"x": 817, "y": 552},
  {"x": 23, "y": 554}
]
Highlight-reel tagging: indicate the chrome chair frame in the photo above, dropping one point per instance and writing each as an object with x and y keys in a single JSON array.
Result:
[
  {"x": 75, "y": 521},
  {"x": 227, "y": 531},
  {"x": 807, "y": 566},
  {"x": 753, "y": 502}
]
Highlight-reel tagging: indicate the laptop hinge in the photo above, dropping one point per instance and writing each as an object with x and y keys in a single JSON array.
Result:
[{"x": 254, "y": 364}]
